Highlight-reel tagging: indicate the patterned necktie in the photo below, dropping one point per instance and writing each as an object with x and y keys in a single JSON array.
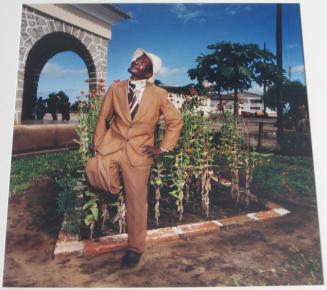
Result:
[{"x": 132, "y": 100}]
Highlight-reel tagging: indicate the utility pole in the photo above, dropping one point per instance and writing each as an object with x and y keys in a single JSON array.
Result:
[
  {"x": 264, "y": 84},
  {"x": 279, "y": 52}
]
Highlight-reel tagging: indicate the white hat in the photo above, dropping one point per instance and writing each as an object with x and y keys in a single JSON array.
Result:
[{"x": 156, "y": 61}]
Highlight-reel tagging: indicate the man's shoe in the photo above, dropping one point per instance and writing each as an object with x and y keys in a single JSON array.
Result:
[{"x": 131, "y": 259}]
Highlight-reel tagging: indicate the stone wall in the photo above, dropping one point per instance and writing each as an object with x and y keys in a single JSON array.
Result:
[{"x": 35, "y": 26}]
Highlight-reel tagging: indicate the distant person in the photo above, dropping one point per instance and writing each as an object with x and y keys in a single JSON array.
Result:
[
  {"x": 40, "y": 109},
  {"x": 65, "y": 110},
  {"x": 53, "y": 102}
]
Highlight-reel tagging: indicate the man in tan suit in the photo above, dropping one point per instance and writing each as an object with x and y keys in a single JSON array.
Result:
[{"x": 133, "y": 108}]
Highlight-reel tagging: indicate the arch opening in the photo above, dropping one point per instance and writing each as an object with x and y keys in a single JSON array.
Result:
[{"x": 42, "y": 51}]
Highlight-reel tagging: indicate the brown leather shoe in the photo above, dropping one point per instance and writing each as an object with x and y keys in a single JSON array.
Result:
[{"x": 131, "y": 259}]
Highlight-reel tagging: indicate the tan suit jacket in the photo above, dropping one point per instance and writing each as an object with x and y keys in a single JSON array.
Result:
[{"x": 139, "y": 131}]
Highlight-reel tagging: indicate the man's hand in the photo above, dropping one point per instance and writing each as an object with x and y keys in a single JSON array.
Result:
[{"x": 151, "y": 151}]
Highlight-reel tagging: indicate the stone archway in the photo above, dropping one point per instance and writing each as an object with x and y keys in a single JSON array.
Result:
[
  {"x": 48, "y": 29},
  {"x": 40, "y": 53}
]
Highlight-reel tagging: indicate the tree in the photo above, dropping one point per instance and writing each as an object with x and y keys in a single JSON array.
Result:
[
  {"x": 231, "y": 66},
  {"x": 158, "y": 82},
  {"x": 208, "y": 71},
  {"x": 294, "y": 94},
  {"x": 267, "y": 73}
]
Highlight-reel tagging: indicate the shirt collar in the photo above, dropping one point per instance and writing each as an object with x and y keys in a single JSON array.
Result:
[{"x": 138, "y": 82}]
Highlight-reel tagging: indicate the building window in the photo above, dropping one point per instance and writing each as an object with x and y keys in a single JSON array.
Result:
[{"x": 256, "y": 101}]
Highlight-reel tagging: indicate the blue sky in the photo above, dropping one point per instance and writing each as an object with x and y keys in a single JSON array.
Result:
[{"x": 178, "y": 33}]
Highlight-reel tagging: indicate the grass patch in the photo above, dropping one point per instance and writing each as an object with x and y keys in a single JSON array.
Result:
[
  {"x": 26, "y": 170},
  {"x": 279, "y": 174},
  {"x": 276, "y": 175}
]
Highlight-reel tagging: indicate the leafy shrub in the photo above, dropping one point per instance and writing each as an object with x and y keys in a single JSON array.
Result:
[{"x": 296, "y": 143}]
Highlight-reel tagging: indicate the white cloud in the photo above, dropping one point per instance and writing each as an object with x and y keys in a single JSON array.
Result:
[
  {"x": 230, "y": 10},
  {"x": 165, "y": 71},
  {"x": 175, "y": 83},
  {"x": 256, "y": 89},
  {"x": 56, "y": 70},
  {"x": 247, "y": 8},
  {"x": 186, "y": 14},
  {"x": 233, "y": 9},
  {"x": 298, "y": 69}
]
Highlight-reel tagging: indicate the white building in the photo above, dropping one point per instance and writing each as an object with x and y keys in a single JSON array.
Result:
[{"x": 249, "y": 104}]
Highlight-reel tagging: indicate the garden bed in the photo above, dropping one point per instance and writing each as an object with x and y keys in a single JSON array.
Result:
[
  {"x": 270, "y": 181},
  {"x": 290, "y": 247},
  {"x": 222, "y": 214}
]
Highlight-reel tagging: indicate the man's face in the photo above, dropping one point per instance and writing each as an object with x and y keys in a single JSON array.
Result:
[{"x": 141, "y": 68}]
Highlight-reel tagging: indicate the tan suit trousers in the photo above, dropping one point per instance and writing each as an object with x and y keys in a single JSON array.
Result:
[{"x": 103, "y": 172}]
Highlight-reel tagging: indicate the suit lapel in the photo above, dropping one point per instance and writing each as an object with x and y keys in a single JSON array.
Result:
[
  {"x": 145, "y": 101},
  {"x": 124, "y": 100}
]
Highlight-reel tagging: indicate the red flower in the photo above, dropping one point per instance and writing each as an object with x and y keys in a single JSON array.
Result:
[
  {"x": 82, "y": 92},
  {"x": 101, "y": 87},
  {"x": 189, "y": 150},
  {"x": 93, "y": 93}
]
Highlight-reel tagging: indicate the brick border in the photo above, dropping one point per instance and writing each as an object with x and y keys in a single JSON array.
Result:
[{"x": 67, "y": 245}]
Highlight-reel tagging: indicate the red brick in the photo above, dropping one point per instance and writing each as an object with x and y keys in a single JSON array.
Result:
[
  {"x": 163, "y": 234},
  {"x": 199, "y": 228},
  {"x": 268, "y": 214},
  {"x": 236, "y": 220},
  {"x": 67, "y": 244},
  {"x": 92, "y": 247}
]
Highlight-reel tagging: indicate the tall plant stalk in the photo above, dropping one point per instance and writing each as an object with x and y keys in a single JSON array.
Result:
[{"x": 121, "y": 213}]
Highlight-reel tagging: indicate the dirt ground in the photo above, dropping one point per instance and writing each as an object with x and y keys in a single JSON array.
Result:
[{"x": 283, "y": 251}]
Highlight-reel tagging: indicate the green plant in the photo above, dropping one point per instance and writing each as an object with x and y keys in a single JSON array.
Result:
[
  {"x": 91, "y": 206},
  {"x": 231, "y": 148},
  {"x": 296, "y": 143},
  {"x": 68, "y": 204},
  {"x": 121, "y": 212},
  {"x": 186, "y": 173},
  {"x": 235, "y": 148}
]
